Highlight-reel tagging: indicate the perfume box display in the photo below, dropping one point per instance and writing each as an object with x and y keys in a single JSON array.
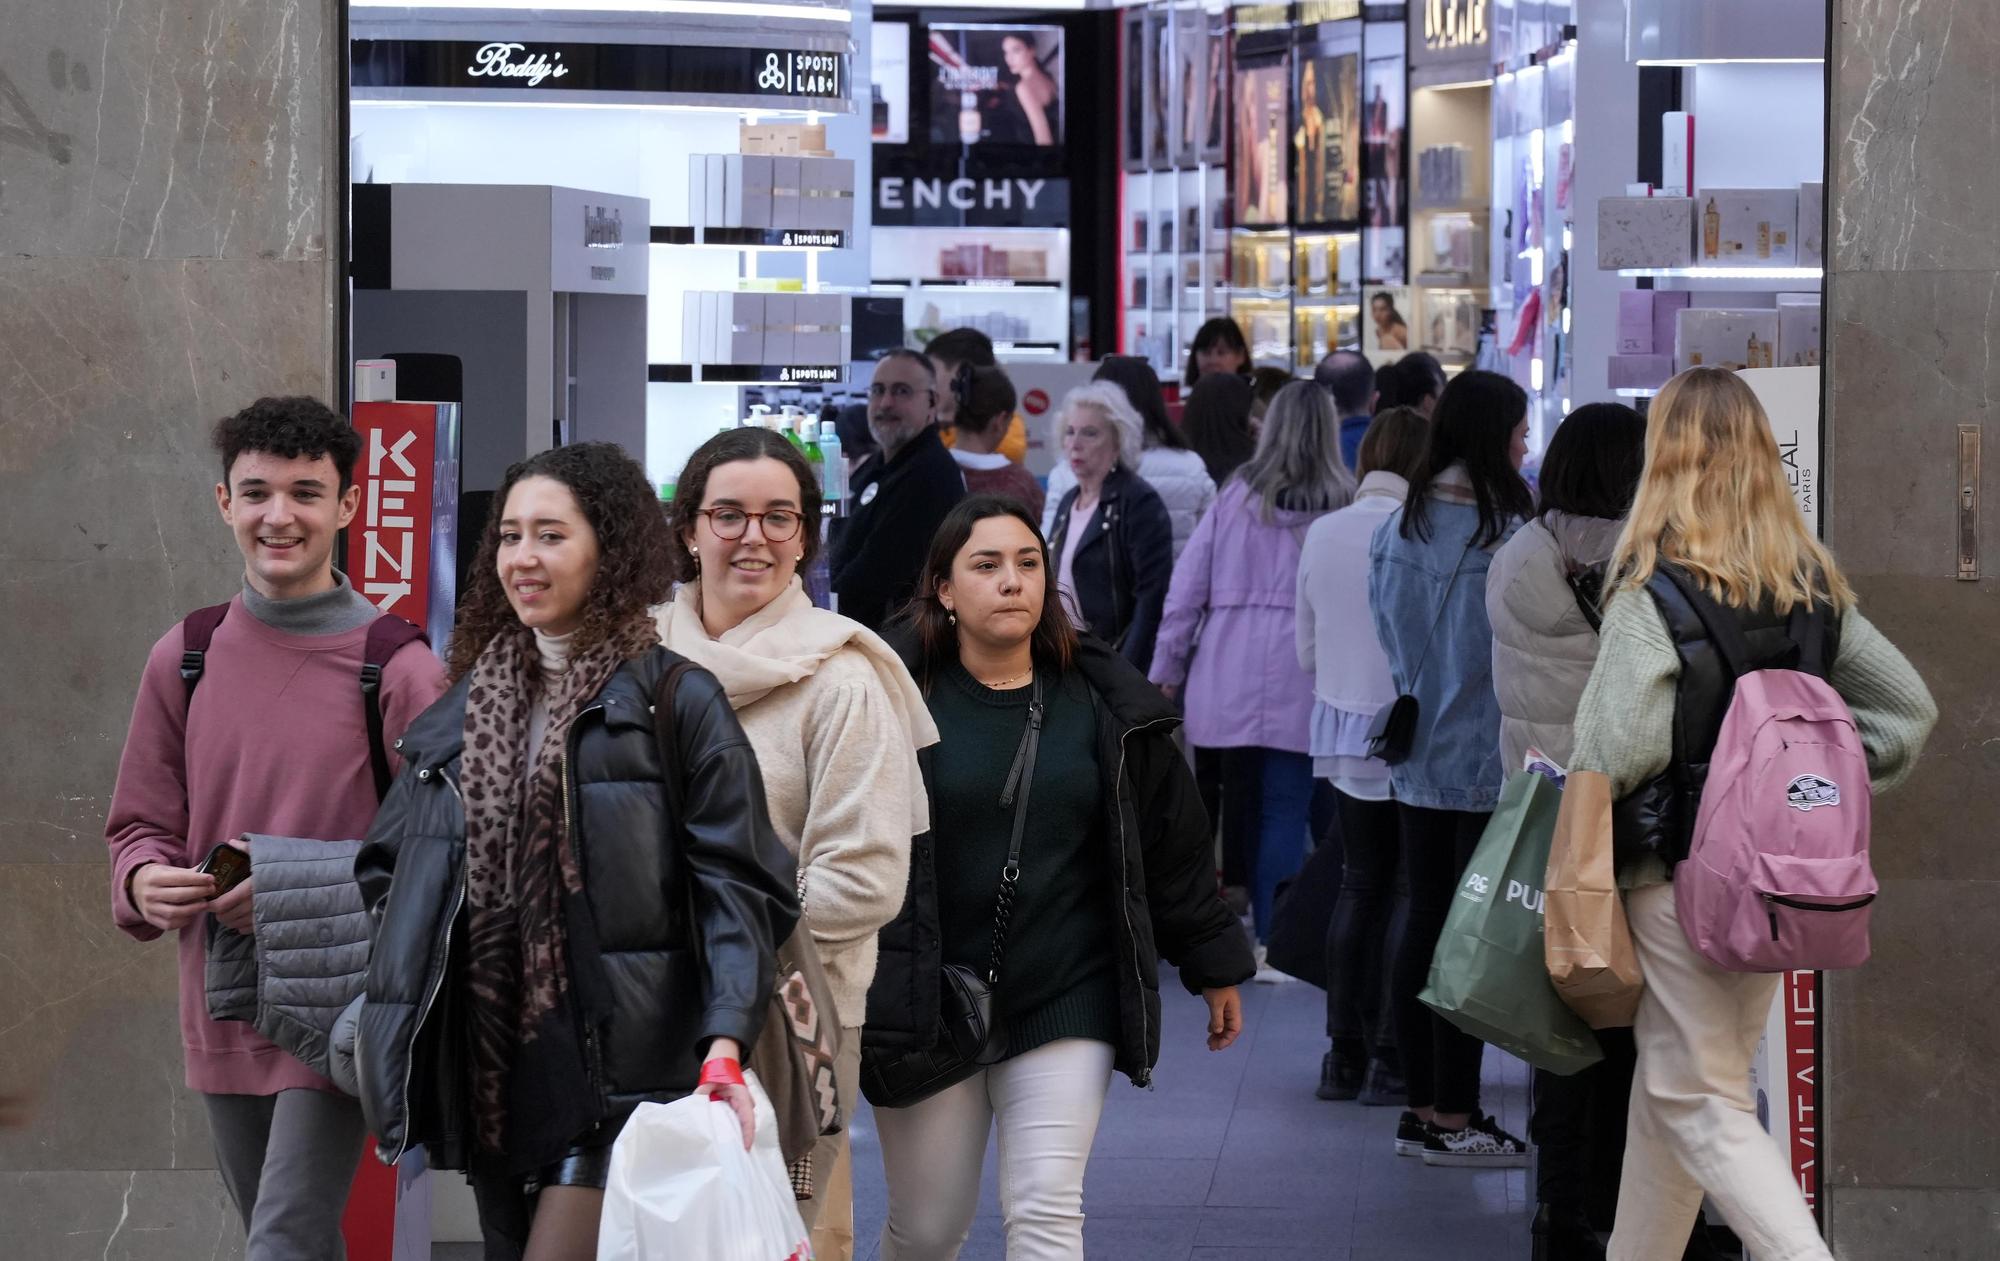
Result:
[
  {"x": 826, "y": 192},
  {"x": 787, "y": 192},
  {"x": 746, "y": 322},
  {"x": 789, "y": 140},
  {"x": 781, "y": 322},
  {"x": 823, "y": 331},
  {"x": 1798, "y": 330},
  {"x": 1635, "y": 322},
  {"x": 1749, "y": 227},
  {"x": 1638, "y": 372},
  {"x": 1812, "y": 213},
  {"x": 1715, "y": 337},
  {"x": 1644, "y": 232},
  {"x": 1677, "y": 153},
  {"x": 1667, "y": 307}
]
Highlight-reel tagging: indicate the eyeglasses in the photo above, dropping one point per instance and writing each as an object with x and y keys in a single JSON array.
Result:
[
  {"x": 897, "y": 390},
  {"x": 779, "y": 524}
]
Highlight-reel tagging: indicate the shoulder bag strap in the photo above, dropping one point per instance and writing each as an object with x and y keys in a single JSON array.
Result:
[
  {"x": 387, "y": 635},
  {"x": 1443, "y": 602},
  {"x": 1020, "y": 778}
]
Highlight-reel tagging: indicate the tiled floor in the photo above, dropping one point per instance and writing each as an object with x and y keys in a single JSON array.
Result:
[{"x": 1231, "y": 1158}]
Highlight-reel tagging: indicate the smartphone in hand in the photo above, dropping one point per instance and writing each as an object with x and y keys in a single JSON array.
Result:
[{"x": 229, "y": 866}]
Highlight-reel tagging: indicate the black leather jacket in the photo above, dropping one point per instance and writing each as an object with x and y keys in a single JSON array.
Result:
[
  {"x": 1168, "y": 905},
  {"x": 1658, "y": 817},
  {"x": 643, "y": 877},
  {"x": 1123, "y": 564}
]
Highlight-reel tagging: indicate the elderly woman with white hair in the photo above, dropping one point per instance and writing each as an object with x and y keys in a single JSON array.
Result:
[{"x": 1113, "y": 543}]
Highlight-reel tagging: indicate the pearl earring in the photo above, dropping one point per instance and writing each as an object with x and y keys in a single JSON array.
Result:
[{"x": 951, "y": 617}]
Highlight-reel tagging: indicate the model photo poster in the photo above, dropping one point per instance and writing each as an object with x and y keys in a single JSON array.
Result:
[
  {"x": 1385, "y": 331},
  {"x": 1135, "y": 93},
  {"x": 1328, "y": 142},
  {"x": 1385, "y": 190},
  {"x": 1215, "y": 91},
  {"x": 1190, "y": 41},
  {"x": 1260, "y": 168},
  {"x": 997, "y": 85},
  {"x": 889, "y": 58},
  {"x": 1159, "y": 76}
]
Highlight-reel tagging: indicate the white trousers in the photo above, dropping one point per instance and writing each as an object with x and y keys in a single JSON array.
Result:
[
  {"x": 1693, "y": 1126},
  {"x": 1047, "y": 1103}
]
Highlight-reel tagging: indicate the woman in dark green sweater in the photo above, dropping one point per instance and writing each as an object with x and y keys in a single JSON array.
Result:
[{"x": 1115, "y": 871}]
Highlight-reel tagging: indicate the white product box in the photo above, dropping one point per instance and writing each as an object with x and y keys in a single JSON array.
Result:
[
  {"x": 716, "y": 215},
  {"x": 787, "y": 192},
  {"x": 829, "y": 193},
  {"x": 691, "y": 326},
  {"x": 1798, "y": 330},
  {"x": 1812, "y": 213},
  {"x": 1635, "y": 322},
  {"x": 1676, "y": 153},
  {"x": 822, "y": 318},
  {"x": 746, "y": 327},
  {"x": 781, "y": 323},
  {"x": 1749, "y": 227},
  {"x": 1714, "y": 337},
  {"x": 758, "y": 174},
  {"x": 374, "y": 380},
  {"x": 697, "y": 209},
  {"x": 1644, "y": 232}
]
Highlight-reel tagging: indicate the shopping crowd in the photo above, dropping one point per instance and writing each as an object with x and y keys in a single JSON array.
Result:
[{"x": 1055, "y": 737}]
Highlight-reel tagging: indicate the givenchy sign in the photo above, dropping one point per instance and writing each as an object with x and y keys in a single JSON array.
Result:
[{"x": 971, "y": 202}]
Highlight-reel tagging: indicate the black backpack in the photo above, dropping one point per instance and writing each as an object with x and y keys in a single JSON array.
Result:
[{"x": 386, "y": 636}]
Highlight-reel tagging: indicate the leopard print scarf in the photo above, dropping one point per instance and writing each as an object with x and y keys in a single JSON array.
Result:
[{"x": 524, "y": 897}]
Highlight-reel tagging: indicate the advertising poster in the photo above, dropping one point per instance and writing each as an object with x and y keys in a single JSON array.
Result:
[
  {"x": 1215, "y": 91},
  {"x": 1159, "y": 92},
  {"x": 1260, "y": 169},
  {"x": 1385, "y": 328},
  {"x": 1135, "y": 94},
  {"x": 1000, "y": 85},
  {"x": 889, "y": 82},
  {"x": 1328, "y": 150},
  {"x": 1384, "y": 122},
  {"x": 1190, "y": 31}
]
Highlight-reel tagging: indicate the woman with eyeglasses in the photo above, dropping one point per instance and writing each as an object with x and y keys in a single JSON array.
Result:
[{"x": 835, "y": 721}]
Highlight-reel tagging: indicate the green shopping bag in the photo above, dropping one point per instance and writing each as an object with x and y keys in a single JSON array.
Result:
[{"x": 1488, "y": 976}]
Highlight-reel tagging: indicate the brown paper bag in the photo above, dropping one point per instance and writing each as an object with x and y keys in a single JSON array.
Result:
[{"x": 1586, "y": 941}]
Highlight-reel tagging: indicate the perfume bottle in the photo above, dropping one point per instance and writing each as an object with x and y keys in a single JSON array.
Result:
[
  {"x": 968, "y": 118},
  {"x": 1758, "y": 354},
  {"x": 1763, "y": 238},
  {"x": 1711, "y": 231}
]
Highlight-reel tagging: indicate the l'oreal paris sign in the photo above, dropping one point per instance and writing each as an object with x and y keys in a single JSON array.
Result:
[{"x": 989, "y": 202}]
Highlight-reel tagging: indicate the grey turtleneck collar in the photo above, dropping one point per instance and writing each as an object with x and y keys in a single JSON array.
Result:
[{"x": 323, "y": 613}]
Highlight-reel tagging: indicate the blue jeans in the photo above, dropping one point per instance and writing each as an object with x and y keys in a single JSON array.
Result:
[{"x": 1284, "y": 827}]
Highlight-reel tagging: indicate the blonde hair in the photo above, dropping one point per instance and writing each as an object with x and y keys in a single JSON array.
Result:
[
  {"x": 1713, "y": 500},
  {"x": 1108, "y": 398}
]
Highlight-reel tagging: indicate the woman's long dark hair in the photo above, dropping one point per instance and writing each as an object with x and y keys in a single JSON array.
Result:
[
  {"x": 1217, "y": 423},
  {"x": 633, "y": 547},
  {"x": 1592, "y": 466},
  {"x": 1142, "y": 385},
  {"x": 1221, "y": 330},
  {"x": 1474, "y": 425},
  {"x": 1054, "y": 638}
]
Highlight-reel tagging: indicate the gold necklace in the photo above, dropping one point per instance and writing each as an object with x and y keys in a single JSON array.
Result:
[{"x": 1004, "y": 682}]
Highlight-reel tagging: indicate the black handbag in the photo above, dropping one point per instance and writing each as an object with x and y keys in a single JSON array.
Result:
[
  {"x": 1394, "y": 730},
  {"x": 969, "y": 1035}
]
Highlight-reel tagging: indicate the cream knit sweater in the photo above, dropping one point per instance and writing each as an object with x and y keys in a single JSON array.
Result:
[
  {"x": 1624, "y": 724},
  {"x": 836, "y": 722}
]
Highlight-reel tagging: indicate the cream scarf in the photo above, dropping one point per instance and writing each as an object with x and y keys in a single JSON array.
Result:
[{"x": 783, "y": 643}]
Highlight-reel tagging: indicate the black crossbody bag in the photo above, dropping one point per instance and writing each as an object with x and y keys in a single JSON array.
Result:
[
  {"x": 968, "y": 1036},
  {"x": 1394, "y": 730}
]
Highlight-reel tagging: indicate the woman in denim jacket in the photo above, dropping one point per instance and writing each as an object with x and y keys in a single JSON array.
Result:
[{"x": 1427, "y": 590}]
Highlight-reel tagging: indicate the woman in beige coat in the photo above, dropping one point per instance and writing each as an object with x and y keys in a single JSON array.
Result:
[{"x": 835, "y": 719}]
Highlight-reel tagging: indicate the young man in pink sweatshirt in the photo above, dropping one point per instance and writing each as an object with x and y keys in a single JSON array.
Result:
[{"x": 273, "y": 739}]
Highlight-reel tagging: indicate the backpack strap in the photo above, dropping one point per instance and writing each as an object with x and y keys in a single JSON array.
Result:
[
  {"x": 197, "y": 632},
  {"x": 1809, "y": 629},
  {"x": 387, "y": 635}
]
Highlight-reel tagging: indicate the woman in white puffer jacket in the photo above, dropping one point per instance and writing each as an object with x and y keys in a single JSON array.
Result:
[{"x": 1167, "y": 464}]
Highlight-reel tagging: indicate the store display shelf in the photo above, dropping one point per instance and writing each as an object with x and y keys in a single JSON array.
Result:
[
  {"x": 1346, "y": 299},
  {"x": 1282, "y": 293},
  {"x": 1435, "y": 280},
  {"x": 746, "y": 373},
  {"x": 801, "y": 239},
  {"x": 1753, "y": 278},
  {"x": 894, "y": 283},
  {"x": 1027, "y": 348},
  {"x": 1469, "y": 206},
  {"x": 1636, "y": 392}
]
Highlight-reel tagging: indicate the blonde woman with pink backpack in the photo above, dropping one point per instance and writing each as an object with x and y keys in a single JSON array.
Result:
[{"x": 1716, "y": 576}]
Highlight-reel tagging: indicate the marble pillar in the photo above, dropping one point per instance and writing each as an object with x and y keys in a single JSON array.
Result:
[
  {"x": 1911, "y": 1164},
  {"x": 168, "y": 195}
]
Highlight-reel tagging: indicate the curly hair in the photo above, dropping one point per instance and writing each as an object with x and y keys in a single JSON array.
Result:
[
  {"x": 633, "y": 551},
  {"x": 289, "y": 428},
  {"x": 727, "y": 447}
]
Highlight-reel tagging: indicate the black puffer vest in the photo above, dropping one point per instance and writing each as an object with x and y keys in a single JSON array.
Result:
[{"x": 1716, "y": 644}]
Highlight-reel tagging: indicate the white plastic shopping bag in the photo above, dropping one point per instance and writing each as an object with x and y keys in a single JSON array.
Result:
[{"x": 683, "y": 1189}]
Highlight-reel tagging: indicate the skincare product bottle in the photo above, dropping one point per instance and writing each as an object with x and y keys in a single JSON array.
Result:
[{"x": 1711, "y": 231}]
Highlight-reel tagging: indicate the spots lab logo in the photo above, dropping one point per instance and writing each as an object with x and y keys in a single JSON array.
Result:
[
  {"x": 1476, "y": 888},
  {"x": 1808, "y": 792}
]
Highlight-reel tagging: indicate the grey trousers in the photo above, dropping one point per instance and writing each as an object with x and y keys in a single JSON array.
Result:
[{"x": 288, "y": 1160}]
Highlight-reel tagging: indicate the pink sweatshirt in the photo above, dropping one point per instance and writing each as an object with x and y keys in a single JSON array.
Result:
[{"x": 280, "y": 747}]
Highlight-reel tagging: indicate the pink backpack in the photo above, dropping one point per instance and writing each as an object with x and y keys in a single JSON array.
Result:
[{"x": 1777, "y": 877}]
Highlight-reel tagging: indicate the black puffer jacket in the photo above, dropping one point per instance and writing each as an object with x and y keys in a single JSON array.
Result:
[
  {"x": 640, "y": 874},
  {"x": 1168, "y": 905},
  {"x": 1123, "y": 565}
]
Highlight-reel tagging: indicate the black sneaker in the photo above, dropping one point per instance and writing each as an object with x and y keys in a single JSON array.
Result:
[
  {"x": 1383, "y": 1087},
  {"x": 1339, "y": 1077},
  {"x": 1480, "y": 1145},
  {"x": 1411, "y": 1134}
]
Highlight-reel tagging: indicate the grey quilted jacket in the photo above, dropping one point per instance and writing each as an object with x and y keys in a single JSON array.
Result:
[{"x": 309, "y": 955}]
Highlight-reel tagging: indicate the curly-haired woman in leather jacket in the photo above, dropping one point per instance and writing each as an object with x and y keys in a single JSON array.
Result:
[{"x": 562, "y": 944}]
